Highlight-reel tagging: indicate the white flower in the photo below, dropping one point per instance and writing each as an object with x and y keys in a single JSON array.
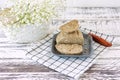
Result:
[{"x": 33, "y": 11}]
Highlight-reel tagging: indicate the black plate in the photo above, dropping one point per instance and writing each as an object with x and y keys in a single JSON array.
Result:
[{"x": 87, "y": 47}]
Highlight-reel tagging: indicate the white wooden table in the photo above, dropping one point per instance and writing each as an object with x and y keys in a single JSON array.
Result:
[{"x": 15, "y": 66}]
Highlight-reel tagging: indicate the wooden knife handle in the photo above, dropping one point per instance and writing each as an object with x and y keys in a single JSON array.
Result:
[{"x": 100, "y": 40}]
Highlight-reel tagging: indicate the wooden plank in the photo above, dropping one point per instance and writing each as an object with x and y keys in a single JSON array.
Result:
[{"x": 33, "y": 76}]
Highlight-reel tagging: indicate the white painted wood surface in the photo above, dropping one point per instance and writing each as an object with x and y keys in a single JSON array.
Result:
[
  {"x": 77, "y": 3},
  {"x": 15, "y": 66}
]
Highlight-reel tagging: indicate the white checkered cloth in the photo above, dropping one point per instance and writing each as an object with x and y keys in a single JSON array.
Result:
[{"x": 69, "y": 66}]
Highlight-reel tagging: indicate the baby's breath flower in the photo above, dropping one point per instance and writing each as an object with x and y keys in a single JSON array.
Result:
[{"x": 34, "y": 11}]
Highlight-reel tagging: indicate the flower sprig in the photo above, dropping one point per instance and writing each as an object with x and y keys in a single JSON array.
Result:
[{"x": 33, "y": 11}]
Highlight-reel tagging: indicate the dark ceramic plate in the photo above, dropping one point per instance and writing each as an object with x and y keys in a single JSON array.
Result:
[{"x": 87, "y": 47}]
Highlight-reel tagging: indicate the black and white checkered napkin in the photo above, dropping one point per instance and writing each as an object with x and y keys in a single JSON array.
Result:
[{"x": 69, "y": 66}]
